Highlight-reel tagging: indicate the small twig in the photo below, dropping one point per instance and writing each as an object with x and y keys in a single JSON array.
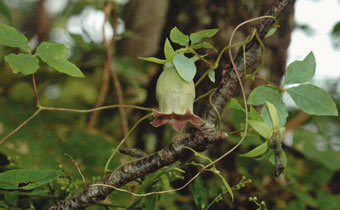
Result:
[
  {"x": 105, "y": 82},
  {"x": 76, "y": 164},
  {"x": 109, "y": 46},
  {"x": 37, "y": 101},
  {"x": 20, "y": 126}
]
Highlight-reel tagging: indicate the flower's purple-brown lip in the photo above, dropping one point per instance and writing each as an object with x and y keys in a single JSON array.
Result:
[{"x": 177, "y": 121}]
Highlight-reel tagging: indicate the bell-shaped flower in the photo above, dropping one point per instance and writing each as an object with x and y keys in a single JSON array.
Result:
[{"x": 175, "y": 100}]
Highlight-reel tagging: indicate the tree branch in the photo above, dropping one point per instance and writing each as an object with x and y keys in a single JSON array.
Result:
[{"x": 199, "y": 138}]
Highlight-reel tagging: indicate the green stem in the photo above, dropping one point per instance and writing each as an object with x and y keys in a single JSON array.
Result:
[
  {"x": 20, "y": 126},
  {"x": 213, "y": 67},
  {"x": 263, "y": 58},
  {"x": 200, "y": 57},
  {"x": 123, "y": 140},
  {"x": 205, "y": 94},
  {"x": 203, "y": 76}
]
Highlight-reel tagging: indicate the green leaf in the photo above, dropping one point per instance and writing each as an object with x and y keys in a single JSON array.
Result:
[
  {"x": 265, "y": 93},
  {"x": 233, "y": 103},
  {"x": 257, "y": 151},
  {"x": 27, "y": 179},
  {"x": 254, "y": 115},
  {"x": 211, "y": 75},
  {"x": 178, "y": 37},
  {"x": 4, "y": 10},
  {"x": 54, "y": 54},
  {"x": 23, "y": 63},
  {"x": 261, "y": 128},
  {"x": 204, "y": 45},
  {"x": 197, "y": 36},
  {"x": 200, "y": 193},
  {"x": 9, "y": 36},
  {"x": 313, "y": 100},
  {"x": 168, "y": 50},
  {"x": 271, "y": 31},
  {"x": 226, "y": 185},
  {"x": 185, "y": 67},
  {"x": 153, "y": 60},
  {"x": 301, "y": 71},
  {"x": 273, "y": 114}
]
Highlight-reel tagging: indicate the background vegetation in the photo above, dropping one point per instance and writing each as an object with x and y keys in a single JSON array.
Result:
[{"x": 56, "y": 140}]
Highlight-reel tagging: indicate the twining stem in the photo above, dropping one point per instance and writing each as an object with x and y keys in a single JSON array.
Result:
[
  {"x": 263, "y": 58},
  {"x": 41, "y": 108},
  {"x": 205, "y": 94},
  {"x": 124, "y": 139},
  {"x": 20, "y": 126},
  {"x": 213, "y": 67},
  {"x": 225, "y": 154}
]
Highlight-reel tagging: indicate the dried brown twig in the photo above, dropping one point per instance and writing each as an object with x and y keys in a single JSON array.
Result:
[{"x": 109, "y": 69}]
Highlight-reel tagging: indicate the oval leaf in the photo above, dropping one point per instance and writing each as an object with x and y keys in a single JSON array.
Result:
[
  {"x": 204, "y": 45},
  {"x": 234, "y": 104},
  {"x": 185, "y": 67},
  {"x": 257, "y": 151},
  {"x": 265, "y": 93},
  {"x": 153, "y": 60},
  {"x": 211, "y": 75},
  {"x": 227, "y": 186},
  {"x": 301, "y": 71},
  {"x": 197, "y": 36},
  {"x": 23, "y": 63},
  {"x": 313, "y": 100},
  {"x": 271, "y": 31},
  {"x": 168, "y": 51},
  {"x": 27, "y": 179},
  {"x": 178, "y": 37},
  {"x": 261, "y": 128},
  {"x": 254, "y": 115},
  {"x": 54, "y": 54},
  {"x": 9, "y": 36},
  {"x": 273, "y": 114}
]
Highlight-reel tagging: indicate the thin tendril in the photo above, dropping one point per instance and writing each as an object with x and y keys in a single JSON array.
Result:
[{"x": 123, "y": 140}]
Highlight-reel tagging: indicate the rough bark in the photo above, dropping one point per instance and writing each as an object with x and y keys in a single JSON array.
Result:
[{"x": 198, "y": 139}]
